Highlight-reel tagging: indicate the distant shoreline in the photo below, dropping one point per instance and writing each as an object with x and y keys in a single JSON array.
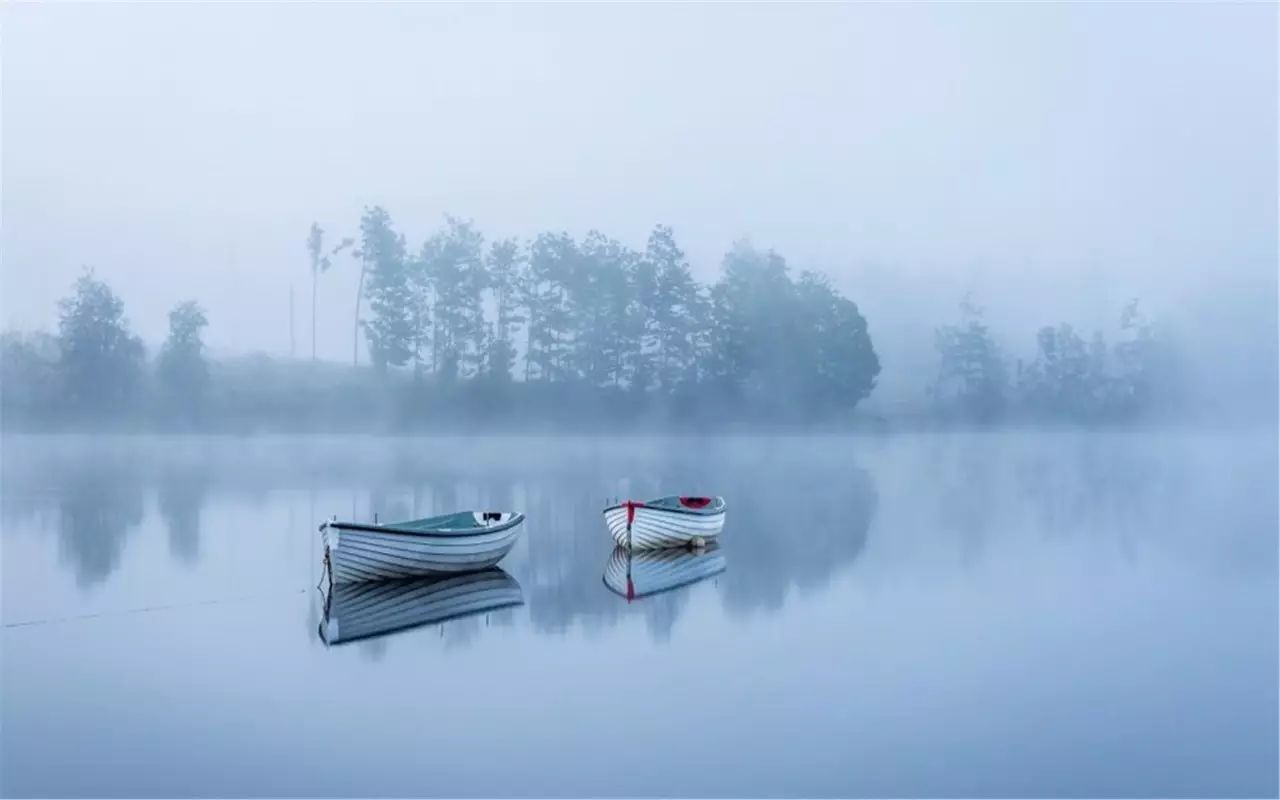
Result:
[{"x": 863, "y": 427}]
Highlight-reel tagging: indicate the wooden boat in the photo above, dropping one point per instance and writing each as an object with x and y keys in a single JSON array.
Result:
[
  {"x": 635, "y": 574},
  {"x": 452, "y": 543},
  {"x": 666, "y": 522},
  {"x": 373, "y": 608}
]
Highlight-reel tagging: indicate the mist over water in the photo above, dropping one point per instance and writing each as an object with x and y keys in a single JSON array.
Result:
[
  {"x": 984, "y": 614},
  {"x": 913, "y": 153},
  {"x": 969, "y": 312}
]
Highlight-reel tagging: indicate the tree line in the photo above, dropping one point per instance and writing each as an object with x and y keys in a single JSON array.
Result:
[
  {"x": 556, "y": 330},
  {"x": 598, "y": 315},
  {"x": 1066, "y": 379}
]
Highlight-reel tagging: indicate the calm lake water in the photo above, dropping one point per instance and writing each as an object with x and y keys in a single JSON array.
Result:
[{"x": 960, "y": 614}]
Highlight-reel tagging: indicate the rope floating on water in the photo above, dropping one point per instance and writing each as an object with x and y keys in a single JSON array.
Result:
[{"x": 145, "y": 609}]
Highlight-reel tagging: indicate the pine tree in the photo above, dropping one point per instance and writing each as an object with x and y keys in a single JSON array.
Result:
[
  {"x": 750, "y": 324},
  {"x": 453, "y": 259},
  {"x": 505, "y": 264},
  {"x": 390, "y": 330},
  {"x": 598, "y": 300},
  {"x": 674, "y": 301},
  {"x": 546, "y": 297}
]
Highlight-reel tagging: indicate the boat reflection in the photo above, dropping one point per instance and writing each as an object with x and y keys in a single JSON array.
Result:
[
  {"x": 640, "y": 573},
  {"x": 361, "y": 610}
]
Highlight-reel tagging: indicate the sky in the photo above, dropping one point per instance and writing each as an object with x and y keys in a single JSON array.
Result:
[{"x": 1053, "y": 160}]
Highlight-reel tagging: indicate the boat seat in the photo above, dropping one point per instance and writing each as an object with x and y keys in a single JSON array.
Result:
[{"x": 695, "y": 502}]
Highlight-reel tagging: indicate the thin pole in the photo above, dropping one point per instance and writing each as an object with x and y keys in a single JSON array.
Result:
[{"x": 355, "y": 328}]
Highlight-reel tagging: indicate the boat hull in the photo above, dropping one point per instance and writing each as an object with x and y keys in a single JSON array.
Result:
[
  {"x": 362, "y": 610},
  {"x": 654, "y": 571},
  {"x": 367, "y": 555},
  {"x": 656, "y": 528}
]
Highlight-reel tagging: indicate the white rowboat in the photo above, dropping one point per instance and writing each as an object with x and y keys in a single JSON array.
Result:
[
  {"x": 665, "y": 522},
  {"x": 453, "y": 543}
]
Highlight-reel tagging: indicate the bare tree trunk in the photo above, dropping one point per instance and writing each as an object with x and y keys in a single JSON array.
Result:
[
  {"x": 662, "y": 358},
  {"x": 528, "y": 342},
  {"x": 435, "y": 332},
  {"x": 417, "y": 346},
  {"x": 315, "y": 277},
  {"x": 355, "y": 331}
]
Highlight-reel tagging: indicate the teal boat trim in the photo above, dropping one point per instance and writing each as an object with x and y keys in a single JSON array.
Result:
[
  {"x": 463, "y": 523},
  {"x": 674, "y": 505}
]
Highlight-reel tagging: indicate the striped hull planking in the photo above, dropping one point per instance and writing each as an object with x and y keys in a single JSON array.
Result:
[
  {"x": 357, "y": 555},
  {"x": 655, "y": 571},
  {"x": 360, "y": 610},
  {"x": 654, "y": 528}
]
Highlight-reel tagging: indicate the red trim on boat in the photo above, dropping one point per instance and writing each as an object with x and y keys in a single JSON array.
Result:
[
  {"x": 695, "y": 502},
  {"x": 631, "y": 511}
]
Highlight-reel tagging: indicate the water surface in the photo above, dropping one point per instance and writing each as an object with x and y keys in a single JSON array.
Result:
[{"x": 961, "y": 614}]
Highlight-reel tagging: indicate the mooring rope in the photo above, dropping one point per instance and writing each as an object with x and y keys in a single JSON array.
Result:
[{"x": 148, "y": 609}]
